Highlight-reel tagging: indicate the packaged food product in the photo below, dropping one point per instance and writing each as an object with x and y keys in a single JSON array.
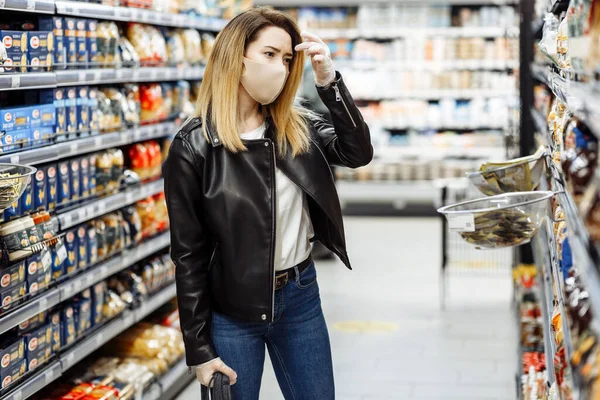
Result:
[
  {"x": 149, "y": 44},
  {"x": 151, "y": 96},
  {"x": 83, "y": 57},
  {"x": 83, "y": 111},
  {"x": 175, "y": 48},
  {"x": 112, "y": 226},
  {"x": 98, "y": 295},
  {"x": 117, "y": 103},
  {"x": 71, "y": 112},
  {"x": 500, "y": 228},
  {"x": 52, "y": 186},
  {"x": 82, "y": 308},
  {"x": 113, "y": 305},
  {"x": 104, "y": 164},
  {"x": 192, "y": 44},
  {"x": 107, "y": 38},
  {"x": 93, "y": 181},
  {"x": 12, "y": 352},
  {"x": 140, "y": 160},
  {"x": 69, "y": 331},
  {"x": 55, "y": 329},
  {"x": 134, "y": 107},
  {"x": 101, "y": 239},
  {"x": 32, "y": 323},
  {"x": 18, "y": 236},
  {"x": 131, "y": 215},
  {"x": 38, "y": 345},
  {"x": 168, "y": 94},
  {"x": 146, "y": 210},
  {"x": 92, "y": 243},
  {"x": 82, "y": 246},
  {"x": 11, "y": 375},
  {"x": 582, "y": 168},
  {"x": 74, "y": 179},
  {"x": 117, "y": 167},
  {"x": 162, "y": 215}
]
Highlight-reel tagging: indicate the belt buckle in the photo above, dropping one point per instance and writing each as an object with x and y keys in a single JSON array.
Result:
[{"x": 281, "y": 280}]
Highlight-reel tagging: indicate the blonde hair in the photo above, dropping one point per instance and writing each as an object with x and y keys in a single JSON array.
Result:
[{"x": 218, "y": 96}]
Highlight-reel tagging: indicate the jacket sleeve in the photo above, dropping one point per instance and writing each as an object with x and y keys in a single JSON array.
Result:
[
  {"x": 348, "y": 141},
  {"x": 191, "y": 250}
]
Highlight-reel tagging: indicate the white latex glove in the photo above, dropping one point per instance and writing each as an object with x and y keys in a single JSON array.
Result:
[
  {"x": 205, "y": 371},
  {"x": 320, "y": 56}
]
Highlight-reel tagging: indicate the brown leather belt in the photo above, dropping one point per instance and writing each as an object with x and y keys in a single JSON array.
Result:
[{"x": 283, "y": 277}]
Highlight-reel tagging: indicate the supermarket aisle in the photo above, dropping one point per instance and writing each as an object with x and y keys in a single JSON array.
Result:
[{"x": 467, "y": 352}]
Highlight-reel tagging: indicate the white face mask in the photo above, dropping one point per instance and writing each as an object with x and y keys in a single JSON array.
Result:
[{"x": 263, "y": 82}]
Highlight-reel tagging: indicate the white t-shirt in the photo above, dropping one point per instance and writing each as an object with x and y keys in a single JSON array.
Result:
[{"x": 293, "y": 225}]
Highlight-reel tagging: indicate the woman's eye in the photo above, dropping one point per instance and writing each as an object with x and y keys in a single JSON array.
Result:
[
  {"x": 270, "y": 54},
  {"x": 288, "y": 60}
]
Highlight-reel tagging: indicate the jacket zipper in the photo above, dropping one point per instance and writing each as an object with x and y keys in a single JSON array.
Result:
[
  {"x": 273, "y": 231},
  {"x": 339, "y": 98}
]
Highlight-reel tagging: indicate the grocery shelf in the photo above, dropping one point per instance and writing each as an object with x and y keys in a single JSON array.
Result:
[
  {"x": 397, "y": 152},
  {"x": 37, "y": 382},
  {"x": 102, "y": 76},
  {"x": 108, "y": 204},
  {"x": 73, "y": 286},
  {"x": 169, "y": 381},
  {"x": 397, "y": 193},
  {"x": 32, "y": 6},
  {"x": 440, "y": 65},
  {"x": 32, "y": 80},
  {"x": 48, "y": 299},
  {"x": 350, "y": 3},
  {"x": 448, "y": 126},
  {"x": 100, "y": 11},
  {"x": 434, "y": 94},
  {"x": 103, "y": 335},
  {"x": 90, "y": 144},
  {"x": 393, "y": 33}
]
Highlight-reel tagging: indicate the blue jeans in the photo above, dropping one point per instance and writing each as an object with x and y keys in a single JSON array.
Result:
[{"x": 297, "y": 340}]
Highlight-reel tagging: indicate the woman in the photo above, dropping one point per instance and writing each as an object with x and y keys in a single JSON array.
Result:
[{"x": 248, "y": 187}]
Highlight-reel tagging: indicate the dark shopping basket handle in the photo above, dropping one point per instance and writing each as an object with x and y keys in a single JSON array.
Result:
[{"x": 220, "y": 390}]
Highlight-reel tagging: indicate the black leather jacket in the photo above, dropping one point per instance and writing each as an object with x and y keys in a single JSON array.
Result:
[{"x": 222, "y": 213}]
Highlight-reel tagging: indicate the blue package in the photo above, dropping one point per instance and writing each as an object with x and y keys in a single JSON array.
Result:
[
  {"x": 68, "y": 326},
  {"x": 55, "y": 24},
  {"x": 84, "y": 177},
  {"x": 38, "y": 345},
  {"x": 13, "y": 211},
  {"x": 40, "y": 42},
  {"x": 13, "y": 374},
  {"x": 14, "y": 63},
  {"x": 83, "y": 111},
  {"x": 92, "y": 187},
  {"x": 32, "y": 323},
  {"x": 27, "y": 199},
  {"x": 16, "y": 140},
  {"x": 82, "y": 246},
  {"x": 70, "y": 42},
  {"x": 98, "y": 296},
  {"x": 41, "y": 136},
  {"x": 63, "y": 185},
  {"x": 51, "y": 186},
  {"x": 567, "y": 258},
  {"x": 15, "y": 118},
  {"x": 12, "y": 352},
  {"x": 56, "y": 97},
  {"x": 72, "y": 249},
  {"x": 92, "y": 42},
  {"x": 71, "y": 111},
  {"x": 82, "y": 309},
  {"x": 15, "y": 42},
  {"x": 40, "y": 199},
  {"x": 93, "y": 106},
  {"x": 92, "y": 243},
  {"x": 39, "y": 274},
  {"x": 40, "y": 62},
  {"x": 74, "y": 179},
  {"x": 55, "y": 329},
  {"x": 58, "y": 267},
  {"x": 43, "y": 115},
  {"x": 81, "y": 44},
  {"x": 13, "y": 275}
]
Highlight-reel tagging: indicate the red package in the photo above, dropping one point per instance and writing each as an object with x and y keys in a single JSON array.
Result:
[
  {"x": 140, "y": 160},
  {"x": 152, "y": 103}
]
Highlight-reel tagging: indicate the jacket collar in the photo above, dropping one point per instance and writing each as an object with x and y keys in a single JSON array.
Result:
[{"x": 215, "y": 141}]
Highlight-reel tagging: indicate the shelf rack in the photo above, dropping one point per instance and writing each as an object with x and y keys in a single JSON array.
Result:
[
  {"x": 98, "y": 76},
  {"x": 89, "y": 344},
  {"x": 90, "y": 144},
  {"x": 435, "y": 94},
  {"x": 396, "y": 33},
  {"x": 83, "y": 281},
  {"x": 440, "y": 65}
]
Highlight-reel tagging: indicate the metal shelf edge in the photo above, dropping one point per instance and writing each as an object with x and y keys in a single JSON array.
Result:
[
  {"x": 48, "y": 299},
  {"x": 36, "y": 383}
]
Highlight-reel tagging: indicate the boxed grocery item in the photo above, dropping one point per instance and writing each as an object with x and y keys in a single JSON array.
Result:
[
  {"x": 56, "y": 97},
  {"x": 82, "y": 246},
  {"x": 40, "y": 199},
  {"x": 98, "y": 293},
  {"x": 12, "y": 211},
  {"x": 83, "y": 111},
  {"x": 92, "y": 42},
  {"x": 26, "y": 200},
  {"x": 15, "y": 63},
  {"x": 13, "y": 296},
  {"x": 93, "y": 160},
  {"x": 43, "y": 115},
  {"x": 12, "y": 352},
  {"x": 15, "y": 118},
  {"x": 16, "y": 139},
  {"x": 51, "y": 185},
  {"x": 40, "y": 62},
  {"x": 71, "y": 111},
  {"x": 74, "y": 179},
  {"x": 57, "y": 265},
  {"x": 72, "y": 249},
  {"x": 92, "y": 245},
  {"x": 15, "y": 42},
  {"x": 68, "y": 326},
  {"x": 81, "y": 43},
  {"x": 64, "y": 184},
  {"x": 82, "y": 308},
  {"x": 42, "y": 135},
  {"x": 13, "y": 275},
  {"x": 70, "y": 42},
  {"x": 84, "y": 177},
  {"x": 55, "y": 25},
  {"x": 55, "y": 329},
  {"x": 40, "y": 42},
  {"x": 13, "y": 374},
  {"x": 32, "y": 323},
  {"x": 39, "y": 346},
  {"x": 93, "y": 110},
  {"x": 39, "y": 273}
]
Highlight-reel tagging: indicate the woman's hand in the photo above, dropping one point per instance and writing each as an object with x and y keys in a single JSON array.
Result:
[
  {"x": 320, "y": 56},
  {"x": 205, "y": 371}
]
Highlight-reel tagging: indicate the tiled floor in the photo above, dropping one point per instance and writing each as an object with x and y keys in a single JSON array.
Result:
[{"x": 466, "y": 352}]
